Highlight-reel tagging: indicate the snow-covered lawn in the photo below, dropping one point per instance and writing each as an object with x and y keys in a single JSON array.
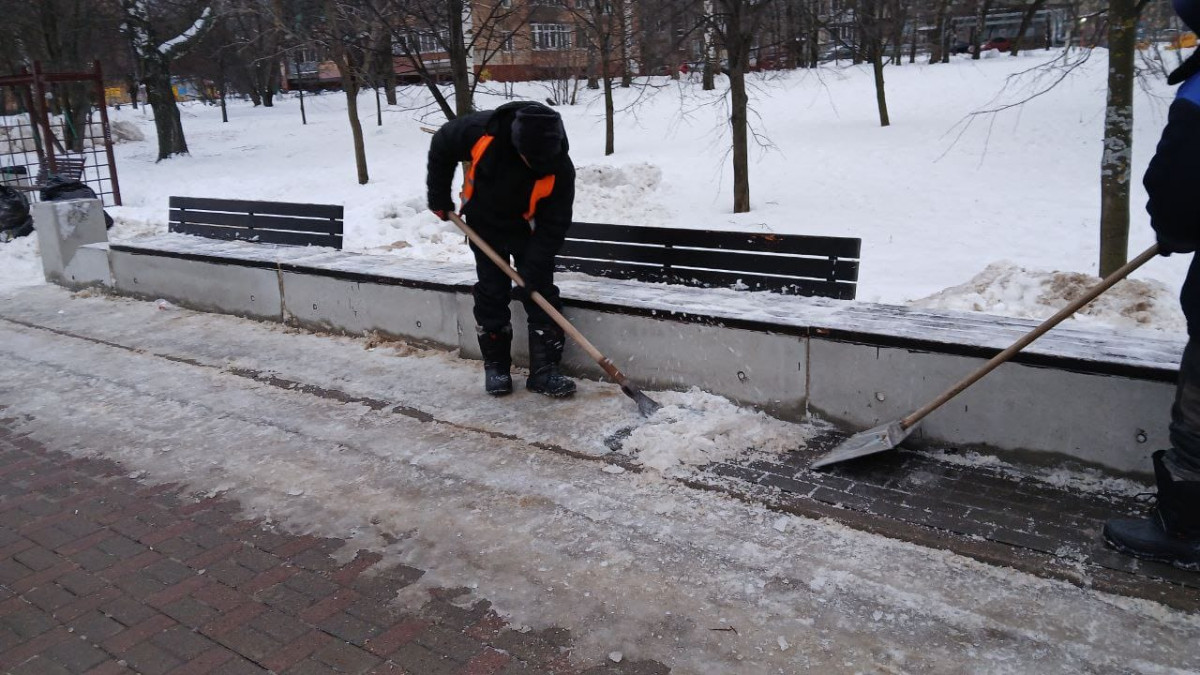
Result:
[{"x": 1012, "y": 197}]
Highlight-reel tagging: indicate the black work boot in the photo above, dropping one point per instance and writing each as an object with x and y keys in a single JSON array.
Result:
[
  {"x": 545, "y": 352},
  {"x": 496, "y": 347},
  {"x": 1172, "y": 532}
]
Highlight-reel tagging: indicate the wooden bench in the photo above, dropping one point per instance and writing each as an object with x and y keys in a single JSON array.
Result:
[
  {"x": 264, "y": 222},
  {"x": 784, "y": 263}
]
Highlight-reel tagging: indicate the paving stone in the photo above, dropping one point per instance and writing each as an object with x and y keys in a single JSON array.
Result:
[
  {"x": 151, "y": 659},
  {"x": 285, "y": 599},
  {"x": 170, "y": 571},
  {"x": 183, "y": 642},
  {"x": 256, "y": 560},
  {"x": 81, "y": 583},
  {"x": 49, "y": 597},
  {"x": 450, "y": 643},
  {"x": 345, "y": 658},
  {"x": 250, "y": 643},
  {"x": 78, "y": 655},
  {"x": 50, "y": 537},
  {"x": 189, "y": 612},
  {"x": 11, "y": 571},
  {"x": 95, "y": 560},
  {"x": 28, "y": 622},
  {"x": 310, "y": 667},
  {"x": 37, "y": 558},
  {"x": 140, "y": 585},
  {"x": 120, "y": 547},
  {"x": 40, "y": 665},
  {"x": 238, "y": 666},
  {"x": 279, "y": 626},
  {"x": 349, "y": 628},
  {"x": 96, "y": 626},
  {"x": 416, "y": 658},
  {"x": 127, "y": 610}
]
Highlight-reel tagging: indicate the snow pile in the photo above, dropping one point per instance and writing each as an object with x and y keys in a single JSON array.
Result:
[
  {"x": 626, "y": 195},
  {"x": 1008, "y": 289},
  {"x": 20, "y": 264},
  {"x": 695, "y": 428}
]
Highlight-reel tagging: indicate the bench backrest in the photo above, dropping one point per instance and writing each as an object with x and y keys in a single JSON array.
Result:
[
  {"x": 69, "y": 168},
  {"x": 265, "y": 222},
  {"x": 785, "y": 263}
]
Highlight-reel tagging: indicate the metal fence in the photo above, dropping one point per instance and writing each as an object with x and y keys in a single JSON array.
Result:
[{"x": 39, "y": 142}]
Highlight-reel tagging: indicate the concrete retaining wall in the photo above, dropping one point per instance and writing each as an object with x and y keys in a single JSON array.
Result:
[{"x": 1105, "y": 414}]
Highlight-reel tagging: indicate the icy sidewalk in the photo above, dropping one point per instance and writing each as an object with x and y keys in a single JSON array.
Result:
[{"x": 398, "y": 454}]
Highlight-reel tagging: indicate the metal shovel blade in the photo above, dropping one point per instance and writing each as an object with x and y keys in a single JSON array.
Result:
[
  {"x": 869, "y": 442},
  {"x": 646, "y": 405}
]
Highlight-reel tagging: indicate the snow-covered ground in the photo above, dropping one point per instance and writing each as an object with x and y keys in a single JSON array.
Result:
[
  {"x": 628, "y": 562},
  {"x": 1000, "y": 209}
]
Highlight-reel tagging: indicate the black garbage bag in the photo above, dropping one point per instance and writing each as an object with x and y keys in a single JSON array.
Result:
[
  {"x": 15, "y": 220},
  {"x": 59, "y": 189}
]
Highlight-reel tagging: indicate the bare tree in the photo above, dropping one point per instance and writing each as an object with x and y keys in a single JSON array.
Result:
[
  {"x": 143, "y": 22},
  {"x": 601, "y": 27},
  {"x": 1115, "y": 163},
  {"x": 736, "y": 22}
]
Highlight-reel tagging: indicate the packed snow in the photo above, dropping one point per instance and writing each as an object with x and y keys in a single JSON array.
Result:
[
  {"x": 633, "y": 565},
  {"x": 976, "y": 212}
]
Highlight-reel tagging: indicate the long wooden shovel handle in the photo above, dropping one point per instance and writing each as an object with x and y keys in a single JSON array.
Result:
[
  {"x": 1032, "y": 335},
  {"x": 542, "y": 302}
]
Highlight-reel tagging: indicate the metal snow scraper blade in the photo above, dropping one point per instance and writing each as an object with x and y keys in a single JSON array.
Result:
[
  {"x": 645, "y": 405},
  {"x": 890, "y": 435}
]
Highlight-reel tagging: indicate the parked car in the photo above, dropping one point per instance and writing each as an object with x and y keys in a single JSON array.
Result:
[
  {"x": 836, "y": 52},
  {"x": 960, "y": 47},
  {"x": 999, "y": 43}
]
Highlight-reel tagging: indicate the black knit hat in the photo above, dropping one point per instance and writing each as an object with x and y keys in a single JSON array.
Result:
[{"x": 538, "y": 134}]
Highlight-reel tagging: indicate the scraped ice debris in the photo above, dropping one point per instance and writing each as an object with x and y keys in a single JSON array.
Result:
[
  {"x": 615, "y": 657},
  {"x": 695, "y": 428}
]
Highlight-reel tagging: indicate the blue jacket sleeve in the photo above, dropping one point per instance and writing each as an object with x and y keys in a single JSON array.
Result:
[{"x": 1172, "y": 177}]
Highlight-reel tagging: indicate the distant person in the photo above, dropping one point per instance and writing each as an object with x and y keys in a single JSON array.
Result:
[
  {"x": 1172, "y": 532},
  {"x": 518, "y": 194}
]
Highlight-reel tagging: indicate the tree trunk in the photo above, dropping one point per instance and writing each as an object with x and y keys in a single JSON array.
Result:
[
  {"x": 709, "y": 45},
  {"x": 350, "y": 85},
  {"x": 1026, "y": 20},
  {"x": 457, "y": 51},
  {"x": 880, "y": 97},
  {"x": 1118, "y": 136},
  {"x": 609, "y": 111},
  {"x": 939, "y": 47},
  {"x": 166, "y": 113},
  {"x": 980, "y": 24},
  {"x": 623, "y": 27},
  {"x": 739, "y": 122}
]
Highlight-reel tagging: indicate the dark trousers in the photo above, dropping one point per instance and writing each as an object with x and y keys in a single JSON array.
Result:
[
  {"x": 1185, "y": 414},
  {"x": 494, "y": 290}
]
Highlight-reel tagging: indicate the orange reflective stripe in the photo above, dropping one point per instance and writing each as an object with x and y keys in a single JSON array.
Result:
[
  {"x": 542, "y": 188},
  {"x": 477, "y": 151}
]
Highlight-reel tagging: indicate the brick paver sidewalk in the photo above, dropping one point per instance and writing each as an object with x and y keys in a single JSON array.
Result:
[{"x": 100, "y": 573}]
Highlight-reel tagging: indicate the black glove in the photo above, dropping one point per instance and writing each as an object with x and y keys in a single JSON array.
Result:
[
  {"x": 1166, "y": 247},
  {"x": 442, "y": 211}
]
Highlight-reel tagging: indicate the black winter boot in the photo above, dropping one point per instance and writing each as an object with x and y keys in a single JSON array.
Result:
[
  {"x": 1172, "y": 532},
  {"x": 496, "y": 347},
  {"x": 545, "y": 352}
]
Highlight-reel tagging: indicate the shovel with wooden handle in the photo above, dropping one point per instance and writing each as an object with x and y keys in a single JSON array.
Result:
[
  {"x": 888, "y": 436},
  {"x": 646, "y": 405}
]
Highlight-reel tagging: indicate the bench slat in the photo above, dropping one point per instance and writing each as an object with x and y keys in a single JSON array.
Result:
[
  {"x": 841, "y": 247},
  {"x": 261, "y": 236},
  {"x": 333, "y": 211},
  {"x": 732, "y": 261},
  {"x": 257, "y": 221},
  {"x": 789, "y": 286}
]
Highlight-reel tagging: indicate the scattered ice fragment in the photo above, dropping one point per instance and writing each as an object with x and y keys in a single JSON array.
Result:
[
  {"x": 780, "y": 524},
  {"x": 783, "y": 644},
  {"x": 615, "y": 657},
  {"x": 613, "y": 469},
  {"x": 295, "y": 492}
]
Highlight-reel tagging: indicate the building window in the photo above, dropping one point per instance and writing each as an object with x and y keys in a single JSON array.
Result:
[
  {"x": 549, "y": 3},
  {"x": 551, "y": 35},
  {"x": 506, "y": 45}
]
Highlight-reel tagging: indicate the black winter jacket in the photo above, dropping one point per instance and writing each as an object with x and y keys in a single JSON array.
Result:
[
  {"x": 1170, "y": 180},
  {"x": 503, "y": 182}
]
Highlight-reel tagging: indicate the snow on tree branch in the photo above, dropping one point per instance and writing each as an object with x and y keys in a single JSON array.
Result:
[{"x": 177, "y": 43}]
